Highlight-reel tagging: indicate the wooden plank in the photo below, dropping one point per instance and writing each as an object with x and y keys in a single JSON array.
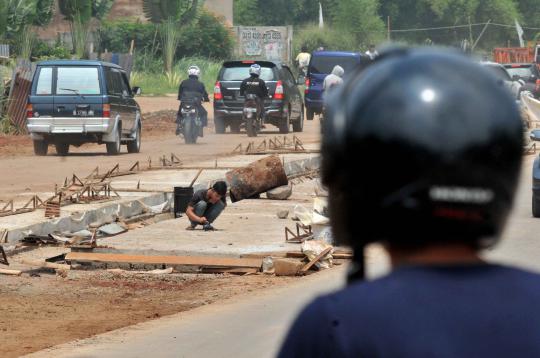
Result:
[
  {"x": 45, "y": 264},
  {"x": 10, "y": 272},
  {"x": 207, "y": 261},
  {"x": 336, "y": 255},
  {"x": 315, "y": 260}
]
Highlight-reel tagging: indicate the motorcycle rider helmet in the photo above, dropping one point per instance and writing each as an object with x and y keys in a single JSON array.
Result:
[
  {"x": 421, "y": 147},
  {"x": 194, "y": 71},
  {"x": 255, "y": 69}
]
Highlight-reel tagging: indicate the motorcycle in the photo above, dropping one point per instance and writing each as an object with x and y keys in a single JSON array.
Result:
[
  {"x": 251, "y": 115},
  {"x": 189, "y": 123}
]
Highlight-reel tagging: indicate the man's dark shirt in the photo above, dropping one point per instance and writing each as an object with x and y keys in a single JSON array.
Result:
[
  {"x": 191, "y": 87},
  {"x": 461, "y": 311},
  {"x": 200, "y": 195},
  {"x": 254, "y": 85}
]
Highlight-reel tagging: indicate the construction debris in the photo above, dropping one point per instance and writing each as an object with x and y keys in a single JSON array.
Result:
[
  {"x": 287, "y": 267},
  {"x": 112, "y": 229},
  {"x": 280, "y": 193},
  {"x": 10, "y": 272},
  {"x": 151, "y": 272},
  {"x": 319, "y": 253},
  {"x": 276, "y": 145},
  {"x": 258, "y": 177},
  {"x": 45, "y": 264},
  {"x": 303, "y": 233},
  {"x": 283, "y": 214},
  {"x": 3, "y": 257}
]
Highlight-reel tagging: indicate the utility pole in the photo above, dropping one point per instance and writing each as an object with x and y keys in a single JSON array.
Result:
[{"x": 481, "y": 34}]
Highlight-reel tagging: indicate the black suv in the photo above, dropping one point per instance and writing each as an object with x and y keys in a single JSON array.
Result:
[
  {"x": 284, "y": 105},
  {"x": 73, "y": 102}
]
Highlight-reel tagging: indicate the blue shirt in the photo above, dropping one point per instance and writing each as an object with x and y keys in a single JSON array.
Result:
[{"x": 425, "y": 311}]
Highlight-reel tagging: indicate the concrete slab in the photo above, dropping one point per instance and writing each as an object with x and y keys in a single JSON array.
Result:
[{"x": 248, "y": 226}]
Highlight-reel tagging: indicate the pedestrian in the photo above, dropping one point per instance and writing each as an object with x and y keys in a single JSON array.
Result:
[
  {"x": 439, "y": 148},
  {"x": 334, "y": 79},
  {"x": 372, "y": 52},
  {"x": 302, "y": 60},
  {"x": 206, "y": 205}
]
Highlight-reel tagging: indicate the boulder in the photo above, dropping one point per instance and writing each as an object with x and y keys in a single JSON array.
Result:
[
  {"x": 283, "y": 214},
  {"x": 280, "y": 193}
]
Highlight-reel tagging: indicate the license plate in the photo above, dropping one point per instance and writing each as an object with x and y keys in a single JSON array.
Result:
[{"x": 82, "y": 113}]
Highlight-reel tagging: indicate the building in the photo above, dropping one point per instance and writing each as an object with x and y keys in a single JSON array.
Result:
[{"x": 129, "y": 9}]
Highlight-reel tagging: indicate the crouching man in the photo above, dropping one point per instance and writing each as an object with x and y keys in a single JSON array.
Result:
[{"x": 206, "y": 205}]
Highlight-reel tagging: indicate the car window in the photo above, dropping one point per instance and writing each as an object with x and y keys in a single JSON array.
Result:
[
  {"x": 524, "y": 72},
  {"x": 125, "y": 85},
  {"x": 325, "y": 64},
  {"x": 44, "y": 82},
  {"x": 241, "y": 73},
  {"x": 81, "y": 80},
  {"x": 499, "y": 72},
  {"x": 288, "y": 76},
  {"x": 112, "y": 88}
]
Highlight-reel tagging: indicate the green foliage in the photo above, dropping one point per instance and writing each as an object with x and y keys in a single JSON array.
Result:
[
  {"x": 43, "y": 51},
  {"x": 25, "y": 44},
  {"x": 117, "y": 36},
  {"x": 170, "y": 36},
  {"x": 313, "y": 37},
  {"x": 275, "y": 13},
  {"x": 158, "y": 83},
  {"x": 181, "y": 11},
  {"x": 101, "y": 8},
  {"x": 82, "y": 9},
  {"x": 360, "y": 18},
  {"x": 209, "y": 37},
  {"x": 80, "y": 30}
]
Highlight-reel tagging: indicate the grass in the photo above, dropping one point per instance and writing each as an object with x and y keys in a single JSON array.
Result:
[{"x": 158, "y": 84}]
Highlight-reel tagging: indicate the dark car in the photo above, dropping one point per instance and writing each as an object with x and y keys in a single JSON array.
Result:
[
  {"x": 73, "y": 102},
  {"x": 529, "y": 73},
  {"x": 283, "y": 106},
  {"x": 321, "y": 65}
]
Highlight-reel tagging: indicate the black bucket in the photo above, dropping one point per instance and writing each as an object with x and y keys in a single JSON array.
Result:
[{"x": 182, "y": 197}]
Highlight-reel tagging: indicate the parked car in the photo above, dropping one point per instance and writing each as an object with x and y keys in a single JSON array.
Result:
[
  {"x": 283, "y": 107},
  {"x": 321, "y": 65},
  {"x": 529, "y": 73},
  {"x": 73, "y": 102},
  {"x": 513, "y": 85}
]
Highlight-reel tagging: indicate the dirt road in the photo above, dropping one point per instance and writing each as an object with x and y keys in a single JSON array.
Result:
[{"x": 23, "y": 172}]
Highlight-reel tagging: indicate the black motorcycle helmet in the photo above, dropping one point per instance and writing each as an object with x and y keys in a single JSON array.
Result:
[{"x": 422, "y": 146}]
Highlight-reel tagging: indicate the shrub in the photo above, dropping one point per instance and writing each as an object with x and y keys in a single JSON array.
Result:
[
  {"x": 44, "y": 51},
  {"x": 116, "y": 36},
  {"x": 313, "y": 37}
]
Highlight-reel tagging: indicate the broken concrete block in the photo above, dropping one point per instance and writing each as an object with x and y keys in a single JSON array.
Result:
[
  {"x": 268, "y": 265},
  {"x": 112, "y": 229},
  {"x": 283, "y": 214},
  {"x": 287, "y": 267},
  {"x": 280, "y": 193}
]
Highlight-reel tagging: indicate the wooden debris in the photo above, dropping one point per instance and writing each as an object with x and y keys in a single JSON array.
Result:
[
  {"x": 232, "y": 271},
  {"x": 315, "y": 260},
  {"x": 335, "y": 255},
  {"x": 151, "y": 272},
  {"x": 3, "y": 257},
  {"x": 200, "y": 261},
  {"x": 10, "y": 272},
  {"x": 45, "y": 264},
  {"x": 287, "y": 267}
]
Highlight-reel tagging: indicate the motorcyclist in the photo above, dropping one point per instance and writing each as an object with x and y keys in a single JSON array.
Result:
[
  {"x": 439, "y": 147},
  {"x": 255, "y": 85},
  {"x": 193, "y": 89}
]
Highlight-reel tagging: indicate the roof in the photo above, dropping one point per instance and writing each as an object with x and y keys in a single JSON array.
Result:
[
  {"x": 337, "y": 53},
  {"x": 77, "y": 63}
]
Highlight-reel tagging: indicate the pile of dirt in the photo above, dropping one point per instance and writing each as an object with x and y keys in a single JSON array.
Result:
[{"x": 40, "y": 312}]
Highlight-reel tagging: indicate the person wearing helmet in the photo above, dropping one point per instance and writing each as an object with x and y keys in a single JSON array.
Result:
[
  {"x": 192, "y": 88},
  {"x": 334, "y": 79},
  {"x": 438, "y": 145},
  {"x": 255, "y": 85}
]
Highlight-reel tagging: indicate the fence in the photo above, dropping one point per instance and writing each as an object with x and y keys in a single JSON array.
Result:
[{"x": 18, "y": 95}]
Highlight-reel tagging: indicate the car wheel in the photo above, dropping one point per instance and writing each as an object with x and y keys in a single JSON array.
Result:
[
  {"x": 135, "y": 145},
  {"x": 41, "y": 147},
  {"x": 62, "y": 149},
  {"x": 535, "y": 206},
  {"x": 113, "y": 148},
  {"x": 285, "y": 122},
  {"x": 298, "y": 125},
  {"x": 310, "y": 114},
  {"x": 219, "y": 123}
]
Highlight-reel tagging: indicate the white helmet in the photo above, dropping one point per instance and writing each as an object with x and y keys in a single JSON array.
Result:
[
  {"x": 255, "y": 70},
  {"x": 194, "y": 71}
]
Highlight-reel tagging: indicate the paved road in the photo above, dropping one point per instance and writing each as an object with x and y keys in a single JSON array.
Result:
[
  {"x": 250, "y": 326},
  {"x": 31, "y": 174}
]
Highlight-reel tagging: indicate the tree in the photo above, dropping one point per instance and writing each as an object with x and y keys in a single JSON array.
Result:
[
  {"x": 171, "y": 15},
  {"x": 360, "y": 18}
]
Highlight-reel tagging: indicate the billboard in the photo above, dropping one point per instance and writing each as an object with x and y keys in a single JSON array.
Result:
[{"x": 263, "y": 43}]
